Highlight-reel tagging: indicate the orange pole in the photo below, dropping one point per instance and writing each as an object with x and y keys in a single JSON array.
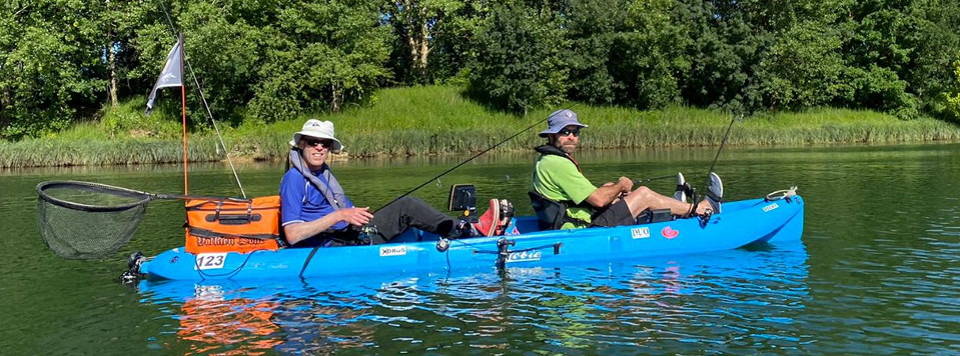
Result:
[
  {"x": 183, "y": 110},
  {"x": 183, "y": 101}
]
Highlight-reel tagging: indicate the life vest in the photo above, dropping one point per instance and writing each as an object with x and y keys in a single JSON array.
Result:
[{"x": 552, "y": 214}]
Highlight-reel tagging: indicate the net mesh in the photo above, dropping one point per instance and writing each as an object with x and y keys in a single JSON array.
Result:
[{"x": 82, "y": 220}]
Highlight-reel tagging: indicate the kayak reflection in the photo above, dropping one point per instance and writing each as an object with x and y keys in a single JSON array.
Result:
[{"x": 760, "y": 289}]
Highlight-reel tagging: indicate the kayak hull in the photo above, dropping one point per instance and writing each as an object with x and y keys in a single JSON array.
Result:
[{"x": 741, "y": 223}]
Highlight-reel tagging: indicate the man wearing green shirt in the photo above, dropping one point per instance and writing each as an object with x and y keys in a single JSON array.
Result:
[{"x": 557, "y": 177}]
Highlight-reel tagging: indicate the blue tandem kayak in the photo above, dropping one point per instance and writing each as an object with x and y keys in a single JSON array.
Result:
[{"x": 741, "y": 223}]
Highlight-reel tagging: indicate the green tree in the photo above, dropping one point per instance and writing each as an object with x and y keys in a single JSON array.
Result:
[
  {"x": 519, "y": 63},
  {"x": 275, "y": 59},
  {"x": 223, "y": 47},
  {"x": 649, "y": 56},
  {"x": 327, "y": 54},
  {"x": 594, "y": 28},
  {"x": 803, "y": 66},
  {"x": 453, "y": 41},
  {"x": 952, "y": 97},
  {"x": 727, "y": 46},
  {"x": 49, "y": 65},
  {"x": 417, "y": 25},
  {"x": 937, "y": 37}
]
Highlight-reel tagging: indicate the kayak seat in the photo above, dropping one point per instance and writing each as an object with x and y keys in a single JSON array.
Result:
[{"x": 552, "y": 214}]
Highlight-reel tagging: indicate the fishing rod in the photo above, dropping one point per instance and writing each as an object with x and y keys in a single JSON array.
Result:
[
  {"x": 461, "y": 164},
  {"x": 712, "y": 165},
  {"x": 722, "y": 143}
]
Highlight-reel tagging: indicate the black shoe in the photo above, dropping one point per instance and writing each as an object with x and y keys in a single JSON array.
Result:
[
  {"x": 464, "y": 229},
  {"x": 506, "y": 215}
]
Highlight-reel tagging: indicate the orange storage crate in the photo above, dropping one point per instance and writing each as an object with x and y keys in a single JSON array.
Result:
[{"x": 233, "y": 225}]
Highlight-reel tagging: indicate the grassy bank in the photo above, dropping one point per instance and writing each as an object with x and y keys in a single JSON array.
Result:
[{"x": 437, "y": 120}]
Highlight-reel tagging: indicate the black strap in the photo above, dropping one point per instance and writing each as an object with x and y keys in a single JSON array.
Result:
[
  {"x": 307, "y": 262},
  {"x": 330, "y": 188},
  {"x": 554, "y": 151}
]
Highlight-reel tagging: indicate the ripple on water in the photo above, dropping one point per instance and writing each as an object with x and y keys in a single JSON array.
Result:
[{"x": 727, "y": 302}]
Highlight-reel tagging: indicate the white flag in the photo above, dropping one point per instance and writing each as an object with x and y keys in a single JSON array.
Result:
[{"x": 172, "y": 74}]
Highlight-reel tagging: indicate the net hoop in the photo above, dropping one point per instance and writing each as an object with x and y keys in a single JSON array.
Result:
[{"x": 93, "y": 187}]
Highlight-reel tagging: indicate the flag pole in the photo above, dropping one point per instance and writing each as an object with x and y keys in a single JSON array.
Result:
[{"x": 183, "y": 110}]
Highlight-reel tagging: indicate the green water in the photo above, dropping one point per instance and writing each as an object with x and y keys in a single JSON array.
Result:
[{"x": 877, "y": 272}]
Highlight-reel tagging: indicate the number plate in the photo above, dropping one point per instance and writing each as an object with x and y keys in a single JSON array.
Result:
[{"x": 211, "y": 260}]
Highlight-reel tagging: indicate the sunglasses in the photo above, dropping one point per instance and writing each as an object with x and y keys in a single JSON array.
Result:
[
  {"x": 313, "y": 142},
  {"x": 566, "y": 131}
]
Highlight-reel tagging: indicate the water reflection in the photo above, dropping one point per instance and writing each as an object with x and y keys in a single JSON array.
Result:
[
  {"x": 211, "y": 319},
  {"x": 731, "y": 300}
]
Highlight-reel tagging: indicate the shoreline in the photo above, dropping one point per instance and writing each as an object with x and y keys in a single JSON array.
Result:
[
  {"x": 346, "y": 157},
  {"x": 438, "y": 120}
]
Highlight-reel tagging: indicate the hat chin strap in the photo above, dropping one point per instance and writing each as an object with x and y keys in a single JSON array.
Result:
[{"x": 331, "y": 191}]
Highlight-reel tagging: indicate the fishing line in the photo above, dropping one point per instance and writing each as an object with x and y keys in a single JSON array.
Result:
[
  {"x": 461, "y": 164},
  {"x": 639, "y": 181}
]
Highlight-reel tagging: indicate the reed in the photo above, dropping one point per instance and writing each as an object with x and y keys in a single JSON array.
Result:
[{"x": 429, "y": 120}]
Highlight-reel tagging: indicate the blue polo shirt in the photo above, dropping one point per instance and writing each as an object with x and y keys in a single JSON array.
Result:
[{"x": 300, "y": 201}]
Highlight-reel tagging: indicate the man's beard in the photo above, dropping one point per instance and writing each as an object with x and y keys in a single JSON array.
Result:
[{"x": 569, "y": 148}]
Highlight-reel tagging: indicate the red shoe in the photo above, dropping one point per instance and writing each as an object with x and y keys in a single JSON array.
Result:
[{"x": 488, "y": 222}]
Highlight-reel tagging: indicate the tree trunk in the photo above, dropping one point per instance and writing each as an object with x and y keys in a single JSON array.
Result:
[
  {"x": 335, "y": 98},
  {"x": 418, "y": 34},
  {"x": 111, "y": 61},
  {"x": 111, "y": 57},
  {"x": 6, "y": 98},
  {"x": 424, "y": 43}
]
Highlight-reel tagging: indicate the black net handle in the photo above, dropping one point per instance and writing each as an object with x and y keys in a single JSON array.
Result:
[{"x": 144, "y": 197}]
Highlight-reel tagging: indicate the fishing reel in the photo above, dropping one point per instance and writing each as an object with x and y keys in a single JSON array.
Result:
[{"x": 366, "y": 234}]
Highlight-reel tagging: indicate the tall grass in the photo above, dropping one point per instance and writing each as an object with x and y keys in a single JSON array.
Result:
[{"x": 438, "y": 120}]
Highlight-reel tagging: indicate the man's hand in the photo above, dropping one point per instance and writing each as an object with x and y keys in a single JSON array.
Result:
[
  {"x": 355, "y": 216},
  {"x": 626, "y": 185}
]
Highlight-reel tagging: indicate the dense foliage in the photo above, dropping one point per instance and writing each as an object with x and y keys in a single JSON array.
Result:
[{"x": 63, "y": 61}]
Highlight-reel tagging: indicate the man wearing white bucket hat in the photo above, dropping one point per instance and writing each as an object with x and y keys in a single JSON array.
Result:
[
  {"x": 563, "y": 198},
  {"x": 316, "y": 212}
]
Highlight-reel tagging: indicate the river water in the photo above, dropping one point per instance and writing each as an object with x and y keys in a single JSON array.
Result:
[{"x": 877, "y": 271}]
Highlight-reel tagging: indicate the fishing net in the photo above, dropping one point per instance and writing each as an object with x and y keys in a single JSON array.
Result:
[{"x": 82, "y": 220}]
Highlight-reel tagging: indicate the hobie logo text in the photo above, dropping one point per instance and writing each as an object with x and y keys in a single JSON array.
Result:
[{"x": 524, "y": 256}]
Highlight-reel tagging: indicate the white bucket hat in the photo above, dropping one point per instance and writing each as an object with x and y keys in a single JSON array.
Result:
[{"x": 318, "y": 129}]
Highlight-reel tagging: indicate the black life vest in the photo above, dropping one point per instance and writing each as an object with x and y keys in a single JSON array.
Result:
[{"x": 552, "y": 214}]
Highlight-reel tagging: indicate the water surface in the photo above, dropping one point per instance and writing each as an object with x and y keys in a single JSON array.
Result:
[{"x": 877, "y": 271}]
